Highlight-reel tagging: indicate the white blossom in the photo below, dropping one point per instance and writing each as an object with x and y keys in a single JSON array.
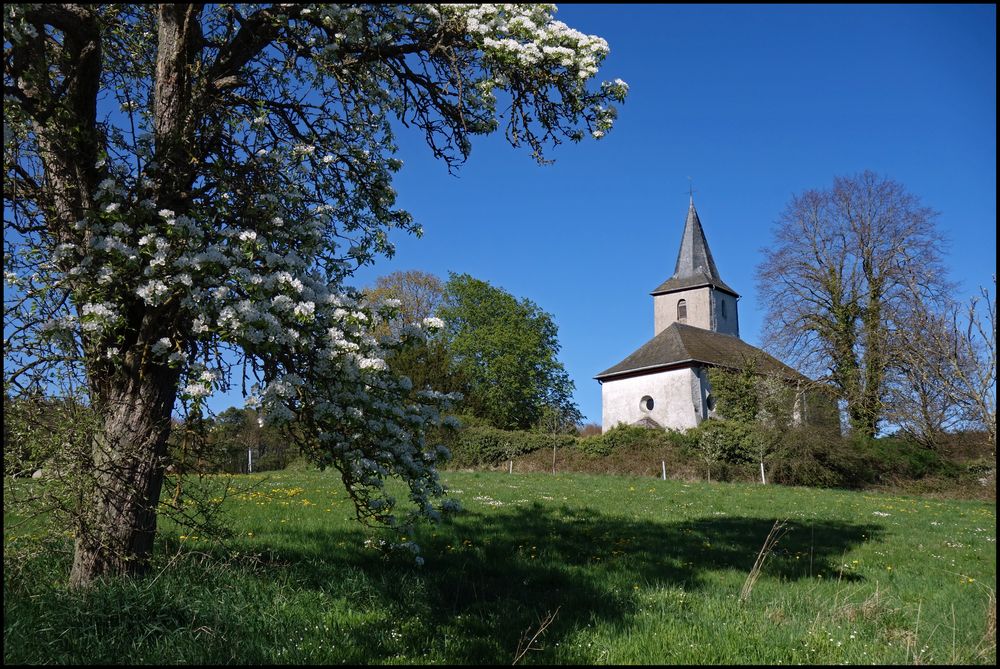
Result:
[
  {"x": 305, "y": 309},
  {"x": 101, "y": 310},
  {"x": 277, "y": 291}
]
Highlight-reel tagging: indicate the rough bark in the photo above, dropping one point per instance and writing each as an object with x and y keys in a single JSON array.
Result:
[{"x": 116, "y": 528}]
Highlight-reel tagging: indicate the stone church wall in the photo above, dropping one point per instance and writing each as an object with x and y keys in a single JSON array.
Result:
[{"x": 676, "y": 399}]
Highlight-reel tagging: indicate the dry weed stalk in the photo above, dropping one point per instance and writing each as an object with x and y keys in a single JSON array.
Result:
[
  {"x": 777, "y": 531},
  {"x": 522, "y": 647},
  {"x": 988, "y": 646}
]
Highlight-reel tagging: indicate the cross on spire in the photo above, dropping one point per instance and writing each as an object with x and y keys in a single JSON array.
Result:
[{"x": 691, "y": 190}]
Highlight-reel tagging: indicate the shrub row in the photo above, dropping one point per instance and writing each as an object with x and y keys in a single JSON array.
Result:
[
  {"x": 802, "y": 456},
  {"x": 481, "y": 446}
]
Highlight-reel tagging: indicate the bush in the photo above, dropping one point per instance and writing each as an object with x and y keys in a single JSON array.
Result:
[
  {"x": 488, "y": 446},
  {"x": 804, "y": 456},
  {"x": 596, "y": 446},
  {"x": 727, "y": 441},
  {"x": 45, "y": 433},
  {"x": 628, "y": 436},
  {"x": 810, "y": 457},
  {"x": 634, "y": 438},
  {"x": 898, "y": 457}
]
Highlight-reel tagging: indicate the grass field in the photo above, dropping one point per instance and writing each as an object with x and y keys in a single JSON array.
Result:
[{"x": 605, "y": 569}]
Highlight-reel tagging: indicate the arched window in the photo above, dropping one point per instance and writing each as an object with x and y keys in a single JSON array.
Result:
[
  {"x": 682, "y": 311},
  {"x": 723, "y": 304}
]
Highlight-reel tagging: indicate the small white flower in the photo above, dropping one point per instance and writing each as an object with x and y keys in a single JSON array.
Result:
[
  {"x": 196, "y": 390},
  {"x": 373, "y": 363},
  {"x": 99, "y": 310},
  {"x": 305, "y": 309}
]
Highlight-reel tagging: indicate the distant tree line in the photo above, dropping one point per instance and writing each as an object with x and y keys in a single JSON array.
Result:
[{"x": 234, "y": 441}]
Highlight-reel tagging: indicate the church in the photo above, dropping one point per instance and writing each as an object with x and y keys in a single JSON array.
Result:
[{"x": 696, "y": 325}]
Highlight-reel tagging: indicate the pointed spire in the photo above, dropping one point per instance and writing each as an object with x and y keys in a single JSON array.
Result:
[
  {"x": 694, "y": 258},
  {"x": 695, "y": 266}
]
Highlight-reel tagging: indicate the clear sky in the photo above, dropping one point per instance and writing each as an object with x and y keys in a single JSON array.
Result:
[{"x": 755, "y": 104}]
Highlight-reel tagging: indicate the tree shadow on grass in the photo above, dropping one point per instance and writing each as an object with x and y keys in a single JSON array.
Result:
[
  {"x": 489, "y": 577},
  {"x": 310, "y": 596}
]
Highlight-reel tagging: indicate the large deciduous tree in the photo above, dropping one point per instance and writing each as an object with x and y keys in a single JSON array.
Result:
[
  {"x": 190, "y": 185},
  {"x": 418, "y": 296},
  {"x": 847, "y": 268},
  {"x": 506, "y": 351}
]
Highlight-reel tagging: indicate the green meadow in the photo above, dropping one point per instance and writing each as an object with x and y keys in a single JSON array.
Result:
[{"x": 537, "y": 569}]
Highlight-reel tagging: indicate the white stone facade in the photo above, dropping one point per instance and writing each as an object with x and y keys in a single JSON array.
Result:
[{"x": 678, "y": 399}]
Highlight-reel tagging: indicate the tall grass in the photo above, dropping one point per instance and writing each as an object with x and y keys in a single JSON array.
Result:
[{"x": 640, "y": 571}]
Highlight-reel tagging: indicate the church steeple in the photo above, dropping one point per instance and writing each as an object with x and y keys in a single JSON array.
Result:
[
  {"x": 695, "y": 266},
  {"x": 695, "y": 295},
  {"x": 694, "y": 258}
]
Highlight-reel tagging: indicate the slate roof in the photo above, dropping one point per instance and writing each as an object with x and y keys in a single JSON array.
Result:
[
  {"x": 680, "y": 344},
  {"x": 695, "y": 266}
]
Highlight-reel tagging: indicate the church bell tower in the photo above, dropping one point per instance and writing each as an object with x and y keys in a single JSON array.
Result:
[{"x": 695, "y": 295}]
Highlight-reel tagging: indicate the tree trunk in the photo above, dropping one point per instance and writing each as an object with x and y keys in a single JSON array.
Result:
[{"x": 116, "y": 527}]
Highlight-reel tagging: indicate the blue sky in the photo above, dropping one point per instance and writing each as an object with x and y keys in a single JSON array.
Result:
[{"x": 755, "y": 104}]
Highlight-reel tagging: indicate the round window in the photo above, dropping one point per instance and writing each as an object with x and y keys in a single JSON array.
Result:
[{"x": 646, "y": 403}]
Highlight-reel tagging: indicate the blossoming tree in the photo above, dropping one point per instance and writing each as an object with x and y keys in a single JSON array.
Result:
[{"x": 188, "y": 188}]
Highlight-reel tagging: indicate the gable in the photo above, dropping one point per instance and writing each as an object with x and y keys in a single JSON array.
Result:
[{"x": 647, "y": 422}]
